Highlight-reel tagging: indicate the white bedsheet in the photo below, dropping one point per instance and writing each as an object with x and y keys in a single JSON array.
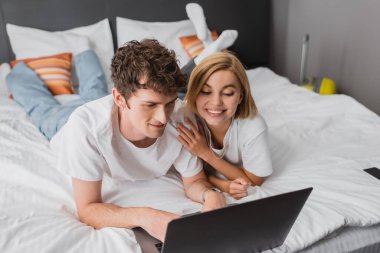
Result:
[{"x": 318, "y": 141}]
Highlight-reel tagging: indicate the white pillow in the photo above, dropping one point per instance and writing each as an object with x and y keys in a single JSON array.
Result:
[
  {"x": 5, "y": 68},
  {"x": 29, "y": 42},
  {"x": 167, "y": 33}
]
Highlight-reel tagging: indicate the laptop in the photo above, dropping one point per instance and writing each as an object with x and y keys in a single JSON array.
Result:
[{"x": 252, "y": 226}]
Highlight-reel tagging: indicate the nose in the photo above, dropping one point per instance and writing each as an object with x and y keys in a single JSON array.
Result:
[
  {"x": 162, "y": 115},
  {"x": 216, "y": 99}
]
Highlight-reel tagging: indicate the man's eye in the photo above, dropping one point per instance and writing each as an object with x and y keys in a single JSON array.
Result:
[
  {"x": 151, "y": 105},
  {"x": 170, "y": 104}
]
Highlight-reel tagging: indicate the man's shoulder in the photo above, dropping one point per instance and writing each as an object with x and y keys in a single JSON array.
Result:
[
  {"x": 180, "y": 113},
  {"x": 94, "y": 112},
  {"x": 90, "y": 117},
  {"x": 96, "y": 107}
]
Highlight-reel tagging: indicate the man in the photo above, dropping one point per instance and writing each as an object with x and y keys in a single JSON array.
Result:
[{"x": 112, "y": 136}]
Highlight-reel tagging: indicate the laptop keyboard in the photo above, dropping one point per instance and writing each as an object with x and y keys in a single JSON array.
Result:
[{"x": 159, "y": 246}]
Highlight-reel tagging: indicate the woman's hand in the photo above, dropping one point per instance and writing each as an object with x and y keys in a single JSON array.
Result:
[
  {"x": 239, "y": 188},
  {"x": 192, "y": 139}
]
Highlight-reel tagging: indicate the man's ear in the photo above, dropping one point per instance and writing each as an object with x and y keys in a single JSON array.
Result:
[{"x": 118, "y": 99}]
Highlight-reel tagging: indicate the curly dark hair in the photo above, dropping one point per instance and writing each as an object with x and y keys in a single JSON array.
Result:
[{"x": 148, "y": 62}]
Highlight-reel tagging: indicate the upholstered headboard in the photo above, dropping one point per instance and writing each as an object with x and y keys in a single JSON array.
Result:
[{"x": 249, "y": 17}]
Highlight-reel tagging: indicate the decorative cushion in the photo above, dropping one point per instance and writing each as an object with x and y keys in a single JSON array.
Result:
[
  {"x": 54, "y": 70},
  {"x": 194, "y": 46}
]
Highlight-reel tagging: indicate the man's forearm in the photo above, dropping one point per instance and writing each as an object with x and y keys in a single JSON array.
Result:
[
  {"x": 196, "y": 189},
  {"x": 100, "y": 215}
]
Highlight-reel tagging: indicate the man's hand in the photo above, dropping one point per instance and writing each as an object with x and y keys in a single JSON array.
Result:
[
  {"x": 155, "y": 222},
  {"x": 239, "y": 188},
  {"x": 213, "y": 200}
]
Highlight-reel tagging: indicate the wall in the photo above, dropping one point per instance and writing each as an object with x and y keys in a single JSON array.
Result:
[{"x": 344, "y": 43}]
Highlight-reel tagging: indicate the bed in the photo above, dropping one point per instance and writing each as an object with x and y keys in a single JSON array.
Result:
[{"x": 320, "y": 141}]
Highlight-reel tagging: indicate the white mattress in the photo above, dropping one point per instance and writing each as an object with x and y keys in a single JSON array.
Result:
[{"x": 318, "y": 141}]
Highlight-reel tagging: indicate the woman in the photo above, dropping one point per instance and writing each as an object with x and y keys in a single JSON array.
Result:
[{"x": 231, "y": 137}]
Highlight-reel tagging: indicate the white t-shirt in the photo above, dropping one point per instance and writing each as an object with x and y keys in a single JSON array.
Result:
[
  {"x": 245, "y": 145},
  {"x": 90, "y": 145}
]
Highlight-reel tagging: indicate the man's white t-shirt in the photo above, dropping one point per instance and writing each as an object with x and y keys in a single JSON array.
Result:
[
  {"x": 245, "y": 145},
  {"x": 90, "y": 145}
]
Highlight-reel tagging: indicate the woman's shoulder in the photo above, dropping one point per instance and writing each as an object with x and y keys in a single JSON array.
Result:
[{"x": 251, "y": 127}]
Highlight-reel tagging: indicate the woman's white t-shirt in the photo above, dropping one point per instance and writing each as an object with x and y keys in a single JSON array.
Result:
[
  {"x": 245, "y": 145},
  {"x": 90, "y": 145}
]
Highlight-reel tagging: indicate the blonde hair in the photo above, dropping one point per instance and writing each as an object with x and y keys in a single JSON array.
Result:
[{"x": 211, "y": 64}]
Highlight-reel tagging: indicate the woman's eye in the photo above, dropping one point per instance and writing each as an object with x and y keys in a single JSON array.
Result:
[
  {"x": 229, "y": 94},
  {"x": 205, "y": 92}
]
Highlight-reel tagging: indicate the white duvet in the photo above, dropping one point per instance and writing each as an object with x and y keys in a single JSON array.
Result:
[{"x": 319, "y": 141}]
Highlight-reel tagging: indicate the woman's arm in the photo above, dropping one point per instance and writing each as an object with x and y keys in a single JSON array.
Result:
[
  {"x": 221, "y": 184},
  {"x": 195, "y": 142},
  {"x": 237, "y": 188},
  {"x": 229, "y": 170}
]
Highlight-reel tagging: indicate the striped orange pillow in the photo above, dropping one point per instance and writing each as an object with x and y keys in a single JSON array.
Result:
[
  {"x": 194, "y": 46},
  {"x": 54, "y": 70}
]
